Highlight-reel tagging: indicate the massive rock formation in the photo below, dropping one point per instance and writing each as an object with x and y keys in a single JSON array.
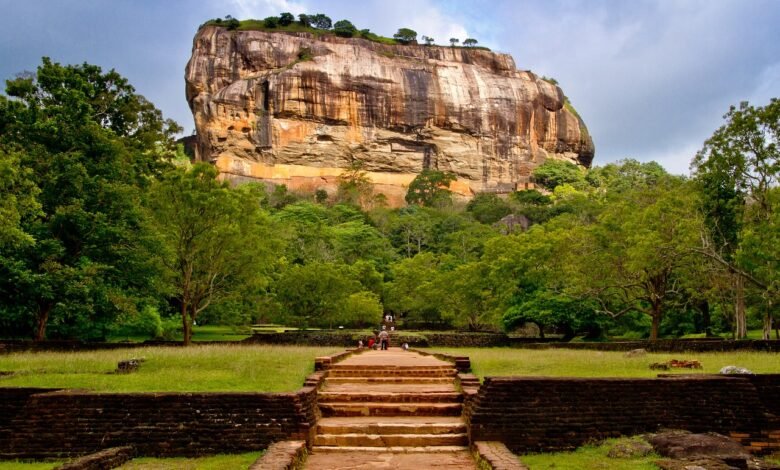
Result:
[{"x": 294, "y": 108}]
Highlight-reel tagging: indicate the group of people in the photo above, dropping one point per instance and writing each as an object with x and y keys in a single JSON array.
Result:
[{"x": 381, "y": 339}]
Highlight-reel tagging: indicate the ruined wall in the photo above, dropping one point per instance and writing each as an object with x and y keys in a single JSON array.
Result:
[
  {"x": 545, "y": 414},
  {"x": 36, "y": 423}
]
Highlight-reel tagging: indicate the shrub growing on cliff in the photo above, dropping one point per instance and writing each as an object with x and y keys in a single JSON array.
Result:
[{"x": 271, "y": 22}]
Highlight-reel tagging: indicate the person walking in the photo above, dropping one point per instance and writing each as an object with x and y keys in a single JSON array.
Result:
[{"x": 384, "y": 340}]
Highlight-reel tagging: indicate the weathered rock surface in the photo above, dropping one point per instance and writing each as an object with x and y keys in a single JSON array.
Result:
[{"x": 296, "y": 109}]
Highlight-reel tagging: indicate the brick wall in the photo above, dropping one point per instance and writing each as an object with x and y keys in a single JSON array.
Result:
[
  {"x": 543, "y": 414},
  {"x": 661, "y": 345},
  {"x": 37, "y": 423}
]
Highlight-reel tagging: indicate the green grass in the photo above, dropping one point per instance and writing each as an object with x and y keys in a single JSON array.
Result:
[
  {"x": 27, "y": 465},
  {"x": 589, "y": 458},
  {"x": 585, "y": 363},
  {"x": 199, "y": 333},
  {"x": 216, "y": 462},
  {"x": 197, "y": 368}
]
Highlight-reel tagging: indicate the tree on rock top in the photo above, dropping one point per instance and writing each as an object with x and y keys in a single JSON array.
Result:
[
  {"x": 405, "y": 35},
  {"x": 344, "y": 29}
]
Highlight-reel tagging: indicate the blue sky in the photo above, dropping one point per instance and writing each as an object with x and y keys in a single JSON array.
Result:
[{"x": 651, "y": 79}]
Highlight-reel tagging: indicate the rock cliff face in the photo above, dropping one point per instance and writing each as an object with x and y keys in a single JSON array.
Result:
[{"x": 296, "y": 109}]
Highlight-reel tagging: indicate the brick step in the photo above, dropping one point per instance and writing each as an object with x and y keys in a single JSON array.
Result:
[
  {"x": 390, "y": 380},
  {"x": 392, "y": 425},
  {"x": 398, "y": 372},
  {"x": 362, "y": 387},
  {"x": 394, "y": 449},
  {"x": 390, "y": 409},
  {"x": 389, "y": 397},
  {"x": 390, "y": 367},
  {"x": 391, "y": 440}
]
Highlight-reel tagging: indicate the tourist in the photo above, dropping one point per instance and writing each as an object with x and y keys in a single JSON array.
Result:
[
  {"x": 384, "y": 339},
  {"x": 360, "y": 344},
  {"x": 371, "y": 342}
]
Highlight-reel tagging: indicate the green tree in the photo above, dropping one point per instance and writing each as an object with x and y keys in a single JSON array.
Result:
[
  {"x": 320, "y": 21},
  {"x": 737, "y": 169},
  {"x": 286, "y": 18},
  {"x": 304, "y": 20},
  {"x": 428, "y": 40},
  {"x": 344, "y": 29},
  {"x": 215, "y": 240},
  {"x": 271, "y": 22},
  {"x": 354, "y": 185},
  {"x": 83, "y": 145},
  {"x": 631, "y": 259},
  {"x": 405, "y": 35},
  {"x": 454, "y": 42},
  {"x": 470, "y": 42},
  {"x": 430, "y": 188},
  {"x": 554, "y": 173},
  {"x": 315, "y": 293},
  {"x": 488, "y": 208}
]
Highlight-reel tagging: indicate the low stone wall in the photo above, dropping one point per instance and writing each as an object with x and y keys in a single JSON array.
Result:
[
  {"x": 350, "y": 339},
  {"x": 547, "y": 414},
  {"x": 69, "y": 423},
  {"x": 661, "y": 345}
]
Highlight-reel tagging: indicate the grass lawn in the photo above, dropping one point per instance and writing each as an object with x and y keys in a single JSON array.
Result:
[
  {"x": 589, "y": 458},
  {"x": 254, "y": 368},
  {"x": 584, "y": 363},
  {"x": 216, "y": 462},
  {"x": 27, "y": 465},
  {"x": 199, "y": 333}
]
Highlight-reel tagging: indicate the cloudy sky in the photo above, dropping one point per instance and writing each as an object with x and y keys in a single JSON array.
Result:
[{"x": 651, "y": 79}]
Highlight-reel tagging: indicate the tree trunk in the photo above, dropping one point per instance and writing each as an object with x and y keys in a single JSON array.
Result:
[
  {"x": 43, "y": 319},
  {"x": 706, "y": 319},
  {"x": 767, "y": 330},
  {"x": 656, "y": 314},
  {"x": 740, "y": 322},
  {"x": 186, "y": 326}
]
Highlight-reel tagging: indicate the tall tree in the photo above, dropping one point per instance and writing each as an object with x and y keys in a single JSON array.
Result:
[
  {"x": 631, "y": 258},
  {"x": 90, "y": 144},
  {"x": 737, "y": 169},
  {"x": 216, "y": 240},
  {"x": 430, "y": 188}
]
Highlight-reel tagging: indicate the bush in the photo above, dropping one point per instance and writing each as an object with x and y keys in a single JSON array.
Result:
[
  {"x": 286, "y": 19},
  {"x": 147, "y": 323},
  {"x": 344, "y": 29},
  {"x": 271, "y": 22}
]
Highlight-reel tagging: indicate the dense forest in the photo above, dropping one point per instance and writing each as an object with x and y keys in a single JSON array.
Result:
[{"x": 105, "y": 225}]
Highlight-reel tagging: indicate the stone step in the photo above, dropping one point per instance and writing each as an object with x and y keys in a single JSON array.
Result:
[
  {"x": 392, "y": 425},
  {"x": 391, "y": 440},
  {"x": 398, "y": 372},
  {"x": 362, "y": 387},
  {"x": 391, "y": 380},
  {"x": 390, "y": 367},
  {"x": 394, "y": 449},
  {"x": 390, "y": 409},
  {"x": 389, "y": 397}
]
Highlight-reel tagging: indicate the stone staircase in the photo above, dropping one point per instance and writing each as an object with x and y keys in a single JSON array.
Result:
[{"x": 411, "y": 406}]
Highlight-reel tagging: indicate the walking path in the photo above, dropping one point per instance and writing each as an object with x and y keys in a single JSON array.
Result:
[{"x": 390, "y": 409}]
